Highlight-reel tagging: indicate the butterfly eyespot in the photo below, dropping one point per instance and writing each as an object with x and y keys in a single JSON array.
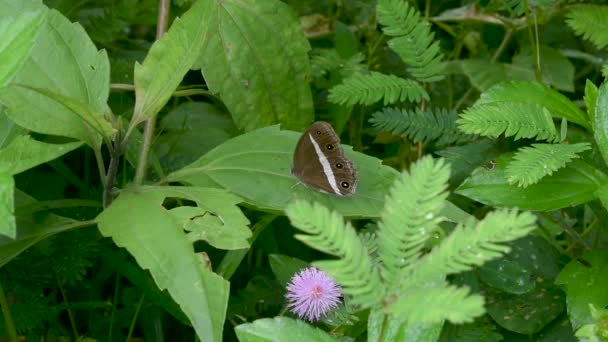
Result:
[
  {"x": 345, "y": 185},
  {"x": 318, "y": 132},
  {"x": 339, "y": 165},
  {"x": 329, "y": 147}
]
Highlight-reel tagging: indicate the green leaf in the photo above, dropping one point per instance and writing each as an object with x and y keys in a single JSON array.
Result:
[
  {"x": 137, "y": 221},
  {"x": 168, "y": 61},
  {"x": 32, "y": 227},
  {"x": 585, "y": 282},
  {"x": 346, "y": 43},
  {"x": 411, "y": 216},
  {"x": 528, "y": 313},
  {"x": 280, "y": 329},
  {"x": 413, "y": 40},
  {"x": 529, "y": 96},
  {"x": 602, "y": 194},
  {"x": 421, "y": 126},
  {"x": 507, "y": 276},
  {"x": 600, "y": 122},
  {"x": 391, "y": 328},
  {"x": 512, "y": 119},
  {"x": 556, "y": 70},
  {"x": 589, "y": 21},
  {"x": 368, "y": 89},
  {"x": 189, "y": 131},
  {"x": 256, "y": 167},
  {"x": 18, "y": 36},
  {"x": 24, "y": 153},
  {"x": 570, "y": 186},
  {"x": 484, "y": 73},
  {"x": 255, "y": 56},
  {"x": 8, "y": 129},
  {"x": 284, "y": 267},
  {"x": 530, "y": 164},
  {"x": 590, "y": 99},
  {"x": 216, "y": 220},
  {"x": 441, "y": 303},
  {"x": 63, "y": 61},
  {"x": 7, "y": 204},
  {"x": 464, "y": 159}
]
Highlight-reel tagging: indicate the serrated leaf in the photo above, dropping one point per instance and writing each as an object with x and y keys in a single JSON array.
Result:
[
  {"x": 168, "y": 61},
  {"x": 512, "y": 119},
  {"x": 570, "y": 186},
  {"x": 256, "y": 167},
  {"x": 65, "y": 61},
  {"x": 600, "y": 122},
  {"x": 18, "y": 36},
  {"x": 590, "y": 22},
  {"x": 533, "y": 95},
  {"x": 137, "y": 221},
  {"x": 590, "y": 99},
  {"x": 368, "y": 89},
  {"x": 530, "y": 164},
  {"x": 24, "y": 153},
  {"x": 280, "y": 329},
  {"x": 255, "y": 58}
]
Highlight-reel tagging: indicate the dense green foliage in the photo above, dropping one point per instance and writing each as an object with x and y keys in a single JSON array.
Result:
[{"x": 146, "y": 192}]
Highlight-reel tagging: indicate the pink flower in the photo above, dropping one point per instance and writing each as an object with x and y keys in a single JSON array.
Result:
[{"x": 311, "y": 293}]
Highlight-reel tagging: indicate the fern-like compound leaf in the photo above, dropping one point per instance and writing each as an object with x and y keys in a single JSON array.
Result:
[
  {"x": 411, "y": 215},
  {"x": 421, "y": 126},
  {"x": 432, "y": 305},
  {"x": 327, "y": 232},
  {"x": 531, "y": 164},
  {"x": 590, "y": 22},
  {"x": 368, "y": 89},
  {"x": 413, "y": 41},
  {"x": 512, "y": 119},
  {"x": 471, "y": 245}
]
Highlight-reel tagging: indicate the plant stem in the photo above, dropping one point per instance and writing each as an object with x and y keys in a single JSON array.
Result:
[
  {"x": 132, "y": 327},
  {"x": 70, "y": 314},
  {"x": 142, "y": 165},
  {"x": 8, "y": 318}
]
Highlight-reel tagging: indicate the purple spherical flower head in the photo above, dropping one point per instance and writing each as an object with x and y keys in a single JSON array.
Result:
[{"x": 311, "y": 293}]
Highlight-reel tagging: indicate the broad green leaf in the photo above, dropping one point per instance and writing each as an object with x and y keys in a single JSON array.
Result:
[
  {"x": 137, "y": 221},
  {"x": 255, "y": 57},
  {"x": 63, "y": 61},
  {"x": 531, "y": 260},
  {"x": 534, "y": 94},
  {"x": 216, "y": 219},
  {"x": 285, "y": 267},
  {"x": 600, "y": 122},
  {"x": 8, "y": 129},
  {"x": 32, "y": 227},
  {"x": 256, "y": 166},
  {"x": 168, "y": 61},
  {"x": 12, "y": 8},
  {"x": 530, "y": 164},
  {"x": 190, "y": 131},
  {"x": 556, "y": 70},
  {"x": 570, "y": 186},
  {"x": 465, "y": 158},
  {"x": 24, "y": 153},
  {"x": 280, "y": 329},
  {"x": 483, "y": 73},
  {"x": 385, "y": 328},
  {"x": 7, "y": 204},
  {"x": 590, "y": 99},
  {"x": 525, "y": 314},
  {"x": 585, "y": 282},
  {"x": 18, "y": 36}
]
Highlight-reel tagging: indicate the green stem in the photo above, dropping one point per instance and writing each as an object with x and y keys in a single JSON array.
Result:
[
  {"x": 132, "y": 327},
  {"x": 70, "y": 313},
  {"x": 8, "y": 318},
  {"x": 114, "y": 305}
]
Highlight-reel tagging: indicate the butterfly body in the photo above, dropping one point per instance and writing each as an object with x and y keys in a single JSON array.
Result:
[{"x": 319, "y": 161}]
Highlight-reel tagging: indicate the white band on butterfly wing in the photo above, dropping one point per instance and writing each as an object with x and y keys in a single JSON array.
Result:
[{"x": 326, "y": 167}]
